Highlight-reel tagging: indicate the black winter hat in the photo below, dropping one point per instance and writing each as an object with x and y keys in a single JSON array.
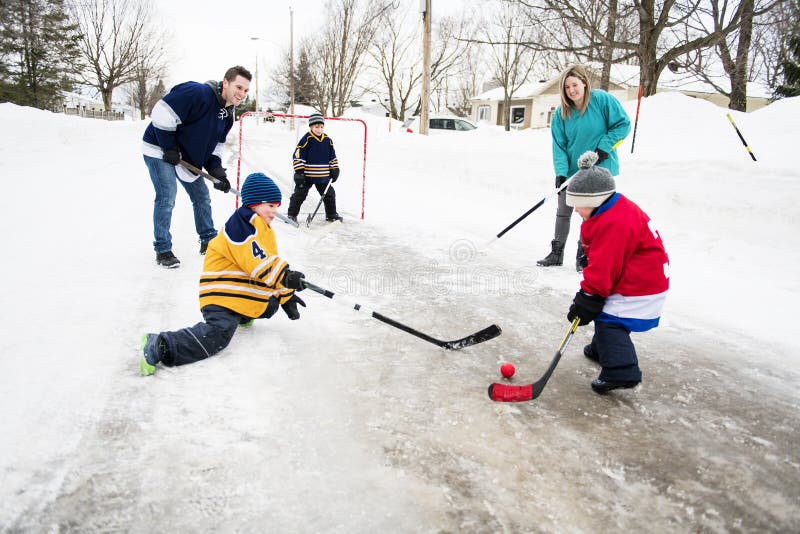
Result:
[
  {"x": 591, "y": 185},
  {"x": 315, "y": 118}
]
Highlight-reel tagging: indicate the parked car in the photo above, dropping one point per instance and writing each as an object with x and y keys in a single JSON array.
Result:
[{"x": 439, "y": 122}]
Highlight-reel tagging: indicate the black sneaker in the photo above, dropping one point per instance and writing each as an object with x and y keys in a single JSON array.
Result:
[
  {"x": 204, "y": 247},
  {"x": 167, "y": 259},
  {"x": 333, "y": 218},
  {"x": 604, "y": 386}
]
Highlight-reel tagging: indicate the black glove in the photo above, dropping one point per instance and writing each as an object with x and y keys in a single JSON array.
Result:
[
  {"x": 602, "y": 155},
  {"x": 334, "y": 174},
  {"x": 290, "y": 307},
  {"x": 172, "y": 155},
  {"x": 560, "y": 180},
  {"x": 222, "y": 183},
  {"x": 299, "y": 179},
  {"x": 294, "y": 280},
  {"x": 585, "y": 306}
]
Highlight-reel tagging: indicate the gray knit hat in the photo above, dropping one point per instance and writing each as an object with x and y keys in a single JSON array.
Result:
[
  {"x": 591, "y": 185},
  {"x": 315, "y": 118}
]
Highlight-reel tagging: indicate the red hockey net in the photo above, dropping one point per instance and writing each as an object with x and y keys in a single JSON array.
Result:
[{"x": 266, "y": 138}]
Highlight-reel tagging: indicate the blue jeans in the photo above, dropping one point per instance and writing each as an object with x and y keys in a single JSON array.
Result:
[{"x": 164, "y": 179}]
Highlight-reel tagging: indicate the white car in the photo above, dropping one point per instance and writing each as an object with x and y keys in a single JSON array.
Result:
[{"x": 439, "y": 122}]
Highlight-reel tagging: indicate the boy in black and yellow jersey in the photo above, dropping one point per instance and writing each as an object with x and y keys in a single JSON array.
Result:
[
  {"x": 315, "y": 163},
  {"x": 243, "y": 279}
]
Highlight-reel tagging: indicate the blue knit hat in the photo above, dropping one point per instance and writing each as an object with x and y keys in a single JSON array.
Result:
[
  {"x": 259, "y": 188},
  {"x": 315, "y": 118}
]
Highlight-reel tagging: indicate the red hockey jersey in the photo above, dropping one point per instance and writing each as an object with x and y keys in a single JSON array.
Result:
[{"x": 627, "y": 264}]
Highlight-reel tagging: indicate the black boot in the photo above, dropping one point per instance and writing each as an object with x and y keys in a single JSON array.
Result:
[
  {"x": 581, "y": 260},
  {"x": 556, "y": 256}
]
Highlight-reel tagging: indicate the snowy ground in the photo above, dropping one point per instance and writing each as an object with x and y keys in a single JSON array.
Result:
[{"x": 339, "y": 423}]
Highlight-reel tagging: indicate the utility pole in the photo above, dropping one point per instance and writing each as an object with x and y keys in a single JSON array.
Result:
[
  {"x": 291, "y": 63},
  {"x": 425, "y": 6},
  {"x": 256, "y": 39}
]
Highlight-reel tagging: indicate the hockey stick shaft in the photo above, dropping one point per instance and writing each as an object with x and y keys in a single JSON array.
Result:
[
  {"x": 321, "y": 198},
  {"x": 232, "y": 190},
  {"x": 636, "y": 122},
  {"x": 741, "y": 137},
  {"x": 204, "y": 174},
  {"x": 514, "y": 393},
  {"x": 534, "y": 208},
  {"x": 478, "y": 337}
]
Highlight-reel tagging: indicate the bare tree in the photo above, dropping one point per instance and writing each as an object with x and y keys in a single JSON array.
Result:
[
  {"x": 117, "y": 39},
  {"x": 510, "y": 59},
  {"x": 341, "y": 52},
  {"x": 727, "y": 63},
  {"x": 467, "y": 80},
  {"x": 448, "y": 57},
  {"x": 659, "y": 24},
  {"x": 150, "y": 69},
  {"x": 395, "y": 57},
  {"x": 770, "y": 33}
]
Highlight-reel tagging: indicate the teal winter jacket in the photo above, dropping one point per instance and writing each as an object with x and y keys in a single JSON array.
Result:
[{"x": 603, "y": 125}]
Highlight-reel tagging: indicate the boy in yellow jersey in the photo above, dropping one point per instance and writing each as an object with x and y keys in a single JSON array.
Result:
[{"x": 243, "y": 279}]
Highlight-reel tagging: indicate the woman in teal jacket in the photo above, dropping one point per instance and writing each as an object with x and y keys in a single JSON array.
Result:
[{"x": 588, "y": 119}]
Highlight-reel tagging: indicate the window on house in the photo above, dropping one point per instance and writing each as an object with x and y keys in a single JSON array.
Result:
[
  {"x": 483, "y": 113},
  {"x": 518, "y": 115}
]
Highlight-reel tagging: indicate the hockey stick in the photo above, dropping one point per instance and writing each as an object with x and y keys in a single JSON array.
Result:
[
  {"x": 478, "y": 337},
  {"x": 321, "y": 198},
  {"x": 231, "y": 190},
  {"x": 513, "y": 393},
  {"x": 636, "y": 123},
  {"x": 534, "y": 208},
  {"x": 753, "y": 156}
]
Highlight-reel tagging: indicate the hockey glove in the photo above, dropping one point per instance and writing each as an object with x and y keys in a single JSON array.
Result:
[
  {"x": 172, "y": 155},
  {"x": 299, "y": 179},
  {"x": 290, "y": 307},
  {"x": 602, "y": 155},
  {"x": 294, "y": 280},
  {"x": 560, "y": 180},
  {"x": 585, "y": 306},
  {"x": 222, "y": 183},
  {"x": 334, "y": 174}
]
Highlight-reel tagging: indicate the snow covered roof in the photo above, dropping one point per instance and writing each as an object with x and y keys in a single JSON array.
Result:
[
  {"x": 680, "y": 81},
  {"x": 628, "y": 76},
  {"x": 525, "y": 91}
]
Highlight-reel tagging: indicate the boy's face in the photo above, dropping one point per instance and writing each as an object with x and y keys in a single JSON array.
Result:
[
  {"x": 317, "y": 129},
  {"x": 267, "y": 211},
  {"x": 585, "y": 213}
]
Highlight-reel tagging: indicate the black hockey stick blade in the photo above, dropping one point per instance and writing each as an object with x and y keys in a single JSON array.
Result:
[
  {"x": 486, "y": 334},
  {"x": 526, "y": 392},
  {"x": 490, "y": 332}
]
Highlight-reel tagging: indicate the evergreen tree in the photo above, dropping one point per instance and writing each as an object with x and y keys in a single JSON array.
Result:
[
  {"x": 790, "y": 65},
  {"x": 38, "y": 52},
  {"x": 156, "y": 93},
  {"x": 305, "y": 88}
]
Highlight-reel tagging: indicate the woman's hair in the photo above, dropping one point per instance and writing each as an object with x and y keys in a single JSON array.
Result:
[{"x": 576, "y": 71}]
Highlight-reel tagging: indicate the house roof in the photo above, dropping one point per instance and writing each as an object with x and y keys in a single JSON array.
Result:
[{"x": 525, "y": 91}]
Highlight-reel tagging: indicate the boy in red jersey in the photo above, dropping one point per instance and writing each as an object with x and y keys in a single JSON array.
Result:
[{"x": 626, "y": 280}]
